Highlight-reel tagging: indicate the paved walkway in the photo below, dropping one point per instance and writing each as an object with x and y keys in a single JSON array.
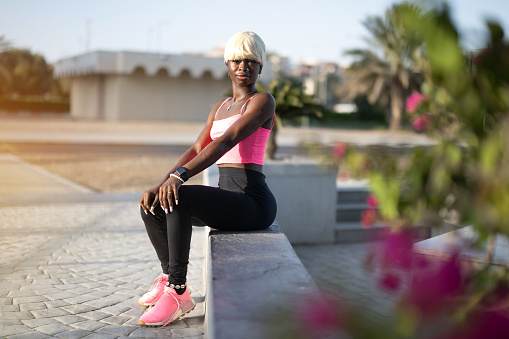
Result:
[
  {"x": 341, "y": 270},
  {"x": 76, "y": 269}
]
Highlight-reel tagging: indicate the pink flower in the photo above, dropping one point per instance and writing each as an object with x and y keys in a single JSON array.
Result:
[
  {"x": 413, "y": 101},
  {"x": 368, "y": 217},
  {"x": 420, "y": 123},
  {"x": 390, "y": 282},
  {"x": 432, "y": 290},
  {"x": 339, "y": 150},
  {"x": 396, "y": 250},
  {"x": 372, "y": 201}
]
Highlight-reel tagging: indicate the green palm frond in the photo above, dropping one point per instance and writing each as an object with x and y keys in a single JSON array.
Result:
[{"x": 392, "y": 65}]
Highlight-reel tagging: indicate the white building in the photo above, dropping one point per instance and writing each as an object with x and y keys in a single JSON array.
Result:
[{"x": 145, "y": 86}]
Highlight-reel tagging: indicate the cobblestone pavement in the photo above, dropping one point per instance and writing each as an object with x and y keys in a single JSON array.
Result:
[
  {"x": 342, "y": 270},
  {"x": 77, "y": 271}
]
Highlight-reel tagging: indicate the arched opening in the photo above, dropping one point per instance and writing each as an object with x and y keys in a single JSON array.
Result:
[
  {"x": 162, "y": 72},
  {"x": 139, "y": 71},
  {"x": 207, "y": 75}
]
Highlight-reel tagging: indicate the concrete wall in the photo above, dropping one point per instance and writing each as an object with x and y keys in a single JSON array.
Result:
[
  {"x": 305, "y": 192},
  {"x": 142, "y": 97},
  {"x": 85, "y": 97}
]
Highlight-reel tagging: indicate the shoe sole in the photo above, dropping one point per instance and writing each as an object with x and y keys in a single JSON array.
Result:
[
  {"x": 162, "y": 322},
  {"x": 147, "y": 304}
]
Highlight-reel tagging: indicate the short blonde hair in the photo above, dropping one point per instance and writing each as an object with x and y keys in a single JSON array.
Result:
[{"x": 245, "y": 45}]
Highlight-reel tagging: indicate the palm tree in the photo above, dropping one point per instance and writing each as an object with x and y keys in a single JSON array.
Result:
[
  {"x": 291, "y": 103},
  {"x": 390, "y": 78}
]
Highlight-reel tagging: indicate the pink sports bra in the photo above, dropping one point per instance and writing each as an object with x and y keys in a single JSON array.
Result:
[{"x": 251, "y": 150}]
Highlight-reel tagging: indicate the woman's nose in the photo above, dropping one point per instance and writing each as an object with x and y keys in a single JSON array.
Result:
[{"x": 243, "y": 65}]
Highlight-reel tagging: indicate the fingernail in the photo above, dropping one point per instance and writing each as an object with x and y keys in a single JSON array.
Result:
[
  {"x": 176, "y": 202},
  {"x": 171, "y": 209},
  {"x": 166, "y": 210},
  {"x": 152, "y": 210},
  {"x": 145, "y": 212}
]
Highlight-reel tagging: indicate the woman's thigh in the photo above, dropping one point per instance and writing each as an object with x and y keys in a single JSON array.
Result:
[{"x": 221, "y": 209}]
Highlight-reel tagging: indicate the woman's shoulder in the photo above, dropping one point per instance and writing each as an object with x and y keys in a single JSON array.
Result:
[
  {"x": 265, "y": 95},
  {"x": 265, "y": 98}
]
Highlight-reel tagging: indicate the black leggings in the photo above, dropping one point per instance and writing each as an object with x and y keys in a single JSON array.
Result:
[{"x": 243, "y": 202}]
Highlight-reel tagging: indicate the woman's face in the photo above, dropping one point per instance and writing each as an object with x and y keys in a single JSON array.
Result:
[{"x": 244, "y": 72}]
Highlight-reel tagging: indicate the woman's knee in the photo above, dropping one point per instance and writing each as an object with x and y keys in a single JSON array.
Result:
[{"x": 149, "y": 218}]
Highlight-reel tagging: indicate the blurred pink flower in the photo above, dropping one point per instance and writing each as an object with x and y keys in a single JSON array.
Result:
[
  {"x": 396, "y": 249},
  {"x": 368, "y": 217},
  {"x": 339, "y": 149},
  {"x": 420, "y": 123},
  {"x": 432, "y": 290},
  {"x": 413, "y": 101},
  {"x": 372, "y": 201},
  {"x": 390, "y": 282},
  {"x": 321, "y": 314}
]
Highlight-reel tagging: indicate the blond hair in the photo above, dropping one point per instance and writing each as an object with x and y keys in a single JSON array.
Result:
[{"x": 245, "y": 45}]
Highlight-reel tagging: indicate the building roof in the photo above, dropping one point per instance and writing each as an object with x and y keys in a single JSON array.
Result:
[{"x": 102, "y": 62}]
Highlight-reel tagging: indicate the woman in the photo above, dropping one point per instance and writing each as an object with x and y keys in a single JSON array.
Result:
[{"x": 235, "y": 136}]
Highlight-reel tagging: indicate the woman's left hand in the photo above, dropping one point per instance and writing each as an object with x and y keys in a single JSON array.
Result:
[{"x": 168, "y": 194}]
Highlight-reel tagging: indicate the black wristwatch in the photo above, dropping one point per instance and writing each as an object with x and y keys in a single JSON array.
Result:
[{"x": 182, "y": 172}]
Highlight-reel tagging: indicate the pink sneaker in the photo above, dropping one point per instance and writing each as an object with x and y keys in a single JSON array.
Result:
[
  {"x": 169, "y": 307},
  {"x": 155, "y": 292}
]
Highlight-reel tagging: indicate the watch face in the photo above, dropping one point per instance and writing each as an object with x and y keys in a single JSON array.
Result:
[{"x": 183, "y": 173}]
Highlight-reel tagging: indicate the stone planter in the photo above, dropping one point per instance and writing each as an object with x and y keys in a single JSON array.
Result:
[{"x": 305, "y": 192}]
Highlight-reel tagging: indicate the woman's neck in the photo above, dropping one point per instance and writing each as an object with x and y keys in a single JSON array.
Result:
[{"x": 239, "y": 92}]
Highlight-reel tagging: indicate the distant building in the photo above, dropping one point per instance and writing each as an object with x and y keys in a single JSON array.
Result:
[
  {"x": 320, "y": 80},
  {"x": 145, "y": 86}
]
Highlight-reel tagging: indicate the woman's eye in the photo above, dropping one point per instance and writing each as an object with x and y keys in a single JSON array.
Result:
[{"x": 236, "y": 61}]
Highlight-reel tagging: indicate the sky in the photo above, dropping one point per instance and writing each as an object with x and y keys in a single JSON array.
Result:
[{"x": 319, "y": 30}]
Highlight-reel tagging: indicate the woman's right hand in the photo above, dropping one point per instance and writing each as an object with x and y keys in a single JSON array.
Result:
[{"x": 149, "y": 199}]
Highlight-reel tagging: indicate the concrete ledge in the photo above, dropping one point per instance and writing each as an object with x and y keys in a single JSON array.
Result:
[
  {"x": 462, "y": 239},
  {"x": 252, "y": 276}
]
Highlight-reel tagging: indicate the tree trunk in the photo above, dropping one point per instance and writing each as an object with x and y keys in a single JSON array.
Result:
[
  {"x": 271, "y": 148},
  {"x": 396, "y": 107}
]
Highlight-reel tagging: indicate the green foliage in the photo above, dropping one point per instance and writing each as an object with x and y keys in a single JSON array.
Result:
[
  {"x": 291, "y": 103},
  {"x": 25, "y": 73},
  {"x": 465, "y": 178},
  {"x": 392, "y": 67},
  {"x": 367, "y": 111}
]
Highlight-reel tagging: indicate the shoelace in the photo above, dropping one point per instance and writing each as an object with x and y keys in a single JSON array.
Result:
[
  {"x": 176, "y": 301},
  {"x": 157, "y": 281}
]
